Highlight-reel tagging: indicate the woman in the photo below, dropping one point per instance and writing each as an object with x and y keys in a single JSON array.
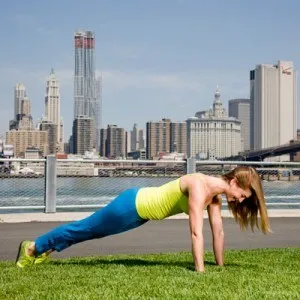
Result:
[{"x": 190, "y": 193}]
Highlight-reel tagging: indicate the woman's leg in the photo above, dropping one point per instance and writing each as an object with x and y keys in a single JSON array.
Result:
[{"x": 118, "y": 216}]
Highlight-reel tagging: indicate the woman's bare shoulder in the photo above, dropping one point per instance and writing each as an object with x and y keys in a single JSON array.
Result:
[{"x": 190, "y": 180}]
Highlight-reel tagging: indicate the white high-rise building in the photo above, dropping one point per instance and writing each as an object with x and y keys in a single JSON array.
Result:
[
  {"x": 240, "y": 109},
  {"x": 20, "y": 94},
  {"x": 212, "y": 134},
  {"x": 273, "y": 96},
  {"x": 52, "y": 106},
  {"x": 128, "y": 141}
]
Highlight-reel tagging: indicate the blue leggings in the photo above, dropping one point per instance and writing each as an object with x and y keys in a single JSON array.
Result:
[{"x": 118, "y": 216}]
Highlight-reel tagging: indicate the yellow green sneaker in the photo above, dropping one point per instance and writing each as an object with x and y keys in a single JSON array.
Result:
[
  {"x": 41, "y": 259},
  {"x": 23, "y": 259}
]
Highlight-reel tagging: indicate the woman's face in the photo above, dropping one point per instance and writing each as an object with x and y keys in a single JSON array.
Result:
[{"x": 236, "y": 193}]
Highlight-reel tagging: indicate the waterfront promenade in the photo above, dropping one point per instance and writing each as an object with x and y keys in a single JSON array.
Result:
[{"x": 170, "y": 235}]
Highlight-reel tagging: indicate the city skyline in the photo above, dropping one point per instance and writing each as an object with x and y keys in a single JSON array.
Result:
[{"x": 158, "y": 60}]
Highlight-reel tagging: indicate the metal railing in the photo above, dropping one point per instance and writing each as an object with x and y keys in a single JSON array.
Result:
[{"x": 52, "y": 185}]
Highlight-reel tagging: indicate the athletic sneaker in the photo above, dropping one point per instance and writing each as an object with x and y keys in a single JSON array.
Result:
[
  {"x": 23, "y": 259},
  {"x": 43, "y": 258}
]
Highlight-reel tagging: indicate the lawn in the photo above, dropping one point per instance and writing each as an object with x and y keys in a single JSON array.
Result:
[{"x": 248, "y": 274}]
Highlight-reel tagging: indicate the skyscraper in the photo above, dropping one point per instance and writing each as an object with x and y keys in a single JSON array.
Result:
[
  {"x": 98, "y": 124},
  {"x": 22, "y": 110},
  {"x": 26, "y": 106},
  {"x": 178, "y": 140},
  {"x": 273, "y": 104},
  {"x": 158, "y": 137},
  {"x": 240, "y": 109},
  {"x": 165, "y": 137},
  {"x": 136, "y": 138},
  {"x": 52, "y": 99},
  {"x": 20, "y": 94},
  {"x": 52, "y": 131},
  {"x": 86, "y": 90},
  {"x": 82, "y": 135},
  {"x": 52, "y": 107},
  {"x": 113, "y": 144}
]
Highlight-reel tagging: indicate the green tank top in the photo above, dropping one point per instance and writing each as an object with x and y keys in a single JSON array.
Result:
[{"x": 157, "y": 203}]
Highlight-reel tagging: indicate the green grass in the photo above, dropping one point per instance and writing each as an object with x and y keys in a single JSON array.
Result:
[{"x": 248, "y": 274}]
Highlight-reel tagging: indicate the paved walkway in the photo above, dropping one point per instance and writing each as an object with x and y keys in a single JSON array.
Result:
[
  {"x": 171, "y": 235},
  {"x": 73, "y": 216}
]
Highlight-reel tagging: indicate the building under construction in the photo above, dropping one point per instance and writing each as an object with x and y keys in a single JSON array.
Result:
[{"x": 87, "y": 90}]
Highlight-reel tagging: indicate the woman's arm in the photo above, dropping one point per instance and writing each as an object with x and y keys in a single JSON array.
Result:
[
  {"x": 197, "y": 196},
  {"x": 216, "y": 224}
]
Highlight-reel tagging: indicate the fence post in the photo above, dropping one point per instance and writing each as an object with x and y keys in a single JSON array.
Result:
[
  {"x": 191, "y": 165},
  {"x": 50, "y": 184}
]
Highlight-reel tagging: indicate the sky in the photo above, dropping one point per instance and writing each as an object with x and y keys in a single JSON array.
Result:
[{"x": 158, "y": 59}]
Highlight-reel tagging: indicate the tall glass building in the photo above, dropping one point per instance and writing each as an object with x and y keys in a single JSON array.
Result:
[{"x": 86, "y": 100}]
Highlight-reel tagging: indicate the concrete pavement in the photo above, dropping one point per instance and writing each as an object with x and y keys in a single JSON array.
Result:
[
  {"x": 170, "y": 235},
  {"x": 73, "y": 216}
]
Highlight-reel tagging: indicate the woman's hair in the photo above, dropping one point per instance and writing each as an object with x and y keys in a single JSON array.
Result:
[{"x": 246, "y": 212}]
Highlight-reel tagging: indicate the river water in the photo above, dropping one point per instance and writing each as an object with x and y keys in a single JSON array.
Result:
[{"x": 16, "y": 192}]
